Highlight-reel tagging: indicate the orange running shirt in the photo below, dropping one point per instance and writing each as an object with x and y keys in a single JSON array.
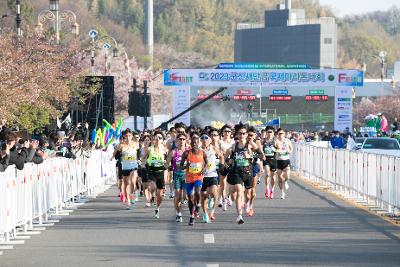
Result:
[{"x": 195, "y": 167}]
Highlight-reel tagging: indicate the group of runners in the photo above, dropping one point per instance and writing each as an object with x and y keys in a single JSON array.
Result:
[{"x": 205, "y": 168}]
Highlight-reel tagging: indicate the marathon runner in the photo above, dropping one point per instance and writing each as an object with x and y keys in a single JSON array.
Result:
[
  {"x": 283, "y": 149},
  {"x": 129, "y": 150},
  {"x": 174, "y": 160},
  {"x": 270, "y": 162},
  {"x": 225, "y": 144},
  {"x": 209, "y": 190},
  {"x": 240, "y": 160},
  {"x": 146, "y": 142},
  {"x": 155, "y": 164},
  {"x": 250, "y": 185},
  {"x": 195, "y": 161}
]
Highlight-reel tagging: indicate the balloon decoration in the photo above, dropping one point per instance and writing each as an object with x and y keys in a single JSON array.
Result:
[
  {"x": 255, "y": 123},
  {"x": 108, "y": 135},
  {"x": 217, "y": 124}
]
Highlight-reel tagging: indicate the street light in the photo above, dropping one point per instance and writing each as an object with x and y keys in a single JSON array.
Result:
[
  {"x": 57, "y": 17},
  {"x": 104, "y": 43}
]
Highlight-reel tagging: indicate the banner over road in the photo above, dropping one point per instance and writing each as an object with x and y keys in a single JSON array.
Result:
[{"x": 257, "y": 77}]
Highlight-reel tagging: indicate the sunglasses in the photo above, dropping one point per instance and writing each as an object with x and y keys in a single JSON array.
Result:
[
  {"x": 281, "y": 133},
  {"x": 270, "y": 132},
  {"x": 204, "y": 137}
]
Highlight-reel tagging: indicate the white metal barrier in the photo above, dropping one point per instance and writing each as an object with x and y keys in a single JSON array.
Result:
[
  {"x": 32, "y": 194},
  {"x": 354, "y": 174}
]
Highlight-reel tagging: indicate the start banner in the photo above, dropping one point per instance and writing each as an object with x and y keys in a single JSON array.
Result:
[{"x": 263, "y": 77}]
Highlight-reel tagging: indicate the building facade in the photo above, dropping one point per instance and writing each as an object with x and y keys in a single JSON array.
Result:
[{"x": 287, "y": 37}]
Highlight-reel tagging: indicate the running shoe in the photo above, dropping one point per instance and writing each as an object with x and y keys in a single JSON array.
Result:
[
  {"x": 185, "y": 202},
  {"x": 141, "y": 194},
  {"x": 251, "y": 212},
  {"x": 247, "y": 208},
  {"x": 157, "y": 214},
  {"x": 224, "y": 206},
  {"x": 148, "y": 205},
  {"x": 164, "y": 192},
  {"x": 122, "y": 198},
  {"x": 220, "y": 202},
  {"x": 212, "y": 216},
  {"x": 283, "y": 195},
  {"x": 136, "y": 198},
  {"x": 132, "y": 201},
  {"x": 196, "y": 211},
  {"x": 267, "y": 193},
  {"x": 271, "y": 194},
  {"x": 286, "y": 185},
  {"x": 210, "y": 202},
  {"x": 258, "y": 180},
  {"x": 205, "y": 218},
  {"x": 229, "y": 201},
  {"x": 240, "y": 220},
  {"x": 128, "y": 207},
  {"x": 171, "y": 195},
  {"x": 191, "y": 221},
  {"x": 179, "y": 218}
]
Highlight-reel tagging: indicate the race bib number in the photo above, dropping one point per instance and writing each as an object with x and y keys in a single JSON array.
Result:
[
  {"x": 195, "y": 167},
  {"x": 241, "y": 161},
  {"x": 129, "y": 158},
  {"x": 211, "y": 166}
]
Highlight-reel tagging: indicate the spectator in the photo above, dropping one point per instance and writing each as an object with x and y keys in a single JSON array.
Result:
[
  {"x": 395, "y": 125},
  {"x": 325, "y": 137},
  {"x": 337, "y": 141}
]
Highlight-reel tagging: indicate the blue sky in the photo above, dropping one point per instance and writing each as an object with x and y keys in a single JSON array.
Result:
[{"x": 347, "y": 7}]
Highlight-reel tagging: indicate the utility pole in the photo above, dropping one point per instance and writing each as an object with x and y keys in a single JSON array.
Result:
[
  {"x": 149, "y": 31},
  {"x": 134, "y": 117},
  {"x": 18, "y": 19},
  {"x": 145, "y": 105}
]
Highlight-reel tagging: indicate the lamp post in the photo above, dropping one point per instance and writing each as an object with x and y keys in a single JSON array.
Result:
[
  {"x": 57, "y": 17},
  {"x": 382, "y": 58}
]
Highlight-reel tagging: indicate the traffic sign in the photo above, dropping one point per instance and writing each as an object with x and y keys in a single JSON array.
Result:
[
  {"x": 317, "y": 92},
  {"x": 93, "y": 33},
  {"x": 106, "y": 46}
]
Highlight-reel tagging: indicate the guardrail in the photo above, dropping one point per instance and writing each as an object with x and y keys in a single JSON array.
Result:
[
  {"x": 35, "y": 193},
  {"x": 364, "y": 177}
]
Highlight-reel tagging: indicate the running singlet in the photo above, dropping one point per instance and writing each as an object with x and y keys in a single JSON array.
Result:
[
  {"x": 155, "y": 160},
  {"x": 285, "y": 154},
  {"x": 129, "y": 159},
  {"x": 176, "y": 161},
  {"x": 226, "y": 145},
  {"x": 241, "y": 156},
  {"x": 212, "y": 163},
  {"x": 194, "y": 168},
  {"x": 269, "y": 148}
]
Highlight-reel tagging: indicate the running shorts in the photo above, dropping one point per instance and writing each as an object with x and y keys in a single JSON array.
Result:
[
  {"x": 179, "y": 180},
  {"x": 282, "y": 164},
  {"x": 127, "y": 172},
  {"x": 190, "y": 187},
  {"x": 239, "y": 176},
  {"x": 271, "y": 162},
  {"x": 142, "y": 172},
  {"x": 256, "y": 170},
  {"x": 158, "y": 178},
  {"x": 248, "y": 184},
  {"x": 208, "y": 182},
  {"x": 119, "y": 170}
]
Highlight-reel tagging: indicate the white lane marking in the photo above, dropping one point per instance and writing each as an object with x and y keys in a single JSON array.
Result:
[
  {"x": 212, "y": 265},
  {"x": 1, "y": 253},
  {"x": 209, "y": 239}
]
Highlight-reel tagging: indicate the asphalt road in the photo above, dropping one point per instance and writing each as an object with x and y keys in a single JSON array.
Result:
[{"x": 308, "y": 228}]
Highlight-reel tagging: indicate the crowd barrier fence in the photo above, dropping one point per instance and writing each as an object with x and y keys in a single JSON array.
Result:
[
  {"x": 370, "y": 178},
  {"x": 33, "y": 194}
]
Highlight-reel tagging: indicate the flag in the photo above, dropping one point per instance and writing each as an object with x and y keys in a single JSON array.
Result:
[{"x": 273, "y": 122}]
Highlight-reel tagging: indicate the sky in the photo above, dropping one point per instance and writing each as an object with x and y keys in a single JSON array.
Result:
[{"x": 348, "y": 7}]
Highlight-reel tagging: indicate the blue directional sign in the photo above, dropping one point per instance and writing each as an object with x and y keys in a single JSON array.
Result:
[
  {"x": 106, "y": 46},
  {"x": 93, "y": 33},
  {"x": 280, "y": 92}
]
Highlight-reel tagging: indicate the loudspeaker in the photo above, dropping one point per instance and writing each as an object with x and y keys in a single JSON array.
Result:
[
  {"x": 139, "y": 104},
  {"x": 101, "y": 105}
]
